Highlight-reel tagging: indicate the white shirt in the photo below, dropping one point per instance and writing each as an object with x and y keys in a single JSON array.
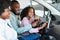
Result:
[{"x": 6, "y": 32}]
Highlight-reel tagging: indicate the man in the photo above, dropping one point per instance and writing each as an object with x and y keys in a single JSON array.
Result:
[
  {"x": 15, "y": 24},
  {"x": 14, "y": 19}
]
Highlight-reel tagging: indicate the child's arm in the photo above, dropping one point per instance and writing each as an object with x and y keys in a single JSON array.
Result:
[
  {"x": 43, "y": 25},
  {"x": 36, "y": 30}
]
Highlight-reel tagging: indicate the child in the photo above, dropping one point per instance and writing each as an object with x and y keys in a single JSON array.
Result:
[{"x": 27, "y": 17}]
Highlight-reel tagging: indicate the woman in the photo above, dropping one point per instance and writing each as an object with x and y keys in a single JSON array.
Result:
[{"x": 6, "y": 31}]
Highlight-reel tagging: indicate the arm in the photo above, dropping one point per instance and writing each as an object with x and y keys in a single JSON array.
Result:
[
  {"x": 32, "y": 30},
  {"x": 43, "y": 25},
  {"x": 35, "y": 30},
  {"x": 23, "y": 29},
  {"x": 2, "y": 37},
  {"x": 14, "y": 23}
]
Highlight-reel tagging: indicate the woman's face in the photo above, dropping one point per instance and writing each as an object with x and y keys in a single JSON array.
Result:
[
  {"x": 5, "y": 14},
  {"x": 31, "y": 13}
]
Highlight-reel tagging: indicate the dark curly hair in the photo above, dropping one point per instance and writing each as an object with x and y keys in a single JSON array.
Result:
[
  {"x": 3, "y": 5},
  {"x": 25, "y": 11},
  {"x": 12, "y": 2}
]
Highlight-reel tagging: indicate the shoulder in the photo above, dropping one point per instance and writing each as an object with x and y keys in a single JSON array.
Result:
[
  {"x": 25, "y": 19},
  {"x": 12, "y": 14}
]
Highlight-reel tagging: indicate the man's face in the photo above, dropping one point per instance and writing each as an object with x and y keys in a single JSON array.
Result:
[{"x": 16, "y": 7}]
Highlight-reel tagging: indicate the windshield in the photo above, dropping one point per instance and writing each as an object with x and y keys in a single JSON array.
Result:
[{"x": 41, "y": 7}]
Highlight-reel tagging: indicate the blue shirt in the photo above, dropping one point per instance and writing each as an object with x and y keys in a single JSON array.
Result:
[{"x": 14, "y": 23}]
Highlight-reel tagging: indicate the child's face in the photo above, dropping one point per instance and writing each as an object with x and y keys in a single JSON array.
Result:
[
  {"x": 5, "y": 14},
  {"x": 31, "y": 13}
]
